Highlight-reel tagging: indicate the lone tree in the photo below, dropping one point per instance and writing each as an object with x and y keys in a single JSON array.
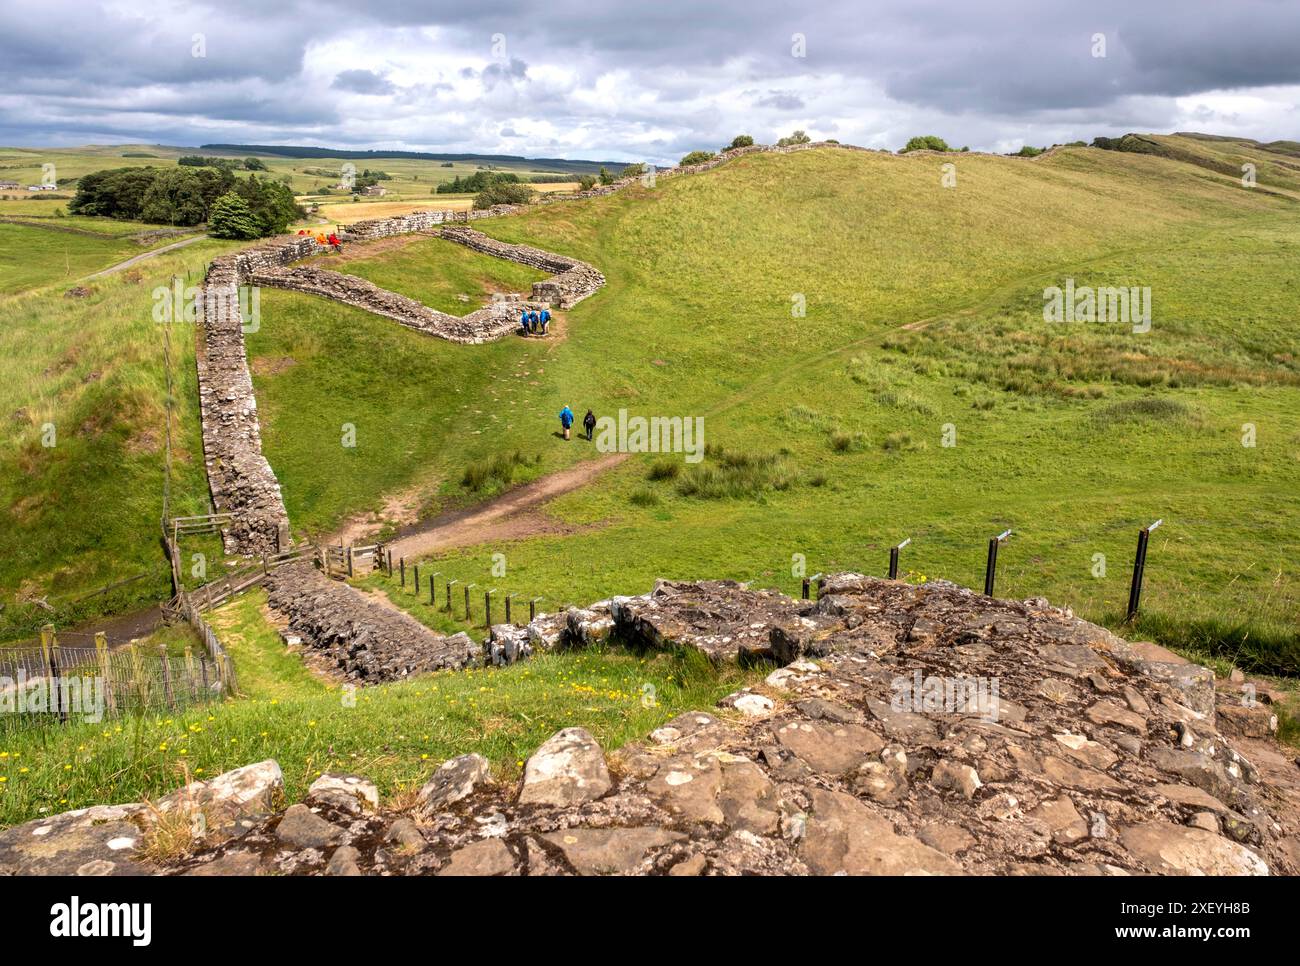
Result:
[
  {"x": 697, "y": 157},
  {"x": 232, "y": 218},
  {"x": 926, "y": 142},
  {"x": 739, "y": 141},
  {"x": 798, "y": 137}
]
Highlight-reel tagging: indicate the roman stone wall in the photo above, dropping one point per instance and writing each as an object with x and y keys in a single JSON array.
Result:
[{"x": 901, "y": 730}]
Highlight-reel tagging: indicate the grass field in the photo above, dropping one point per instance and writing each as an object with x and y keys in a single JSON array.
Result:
[
  {"x": 83, "y": 390},
  {"x": 827, "y": 435},
  {"x": 410, "y": 178},
  {"x": 394, "y": 734},
  {"x": 440, "y": 274},
  {"x": 1073, "y": 435}
]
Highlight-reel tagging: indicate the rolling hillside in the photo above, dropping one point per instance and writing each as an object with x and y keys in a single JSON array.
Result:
[{"x": 924, "y": 310}]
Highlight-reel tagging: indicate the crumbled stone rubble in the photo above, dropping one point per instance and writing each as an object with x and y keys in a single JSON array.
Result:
[
  {"x": 364, "y": 640},
  {"x": 1085, "y": 755}
]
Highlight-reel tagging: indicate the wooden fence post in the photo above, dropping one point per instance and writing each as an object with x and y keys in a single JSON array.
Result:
[
  {"x": 168, "y": 694},
  {"x": 105, "y": 669},
  {"x": 56, "y": 672},
  {"x": 189, "y": 671},
  {"x": 402, "y": 562}
]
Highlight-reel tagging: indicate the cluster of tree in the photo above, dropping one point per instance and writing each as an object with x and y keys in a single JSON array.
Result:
[
  {"x": 503, "y": 192},
  {"x": 798, "y": 137},
  {"x": 368, "y": 178},
  {"x": 929, "y": 142},
  {"x": 226, "y": 164},
  {"x": 476, "y": 182},
  {"x": 183, "y": 196}
]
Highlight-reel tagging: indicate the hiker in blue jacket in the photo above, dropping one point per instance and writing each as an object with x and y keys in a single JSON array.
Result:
[
  {"x": 532, "y": 321},
  {"x": 544, "y": 319},
  {"x": 523, "y": 321},
  {"x": 566, "y": 420}
]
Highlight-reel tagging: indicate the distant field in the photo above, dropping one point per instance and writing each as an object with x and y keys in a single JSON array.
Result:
[
  {"x": 34, "y": 256},
  {"x": 347, "y": 213}
]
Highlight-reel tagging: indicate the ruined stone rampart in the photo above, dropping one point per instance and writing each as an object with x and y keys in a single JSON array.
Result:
[
  {"x": 571, "y": 282},
  {"x": 359, "y": 637},
  {"x": 239, "y": 477},
  {"x": 483, "y": 325},
  {"x": 900, "y": 730}
]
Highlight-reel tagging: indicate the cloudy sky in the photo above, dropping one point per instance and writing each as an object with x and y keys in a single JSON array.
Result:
[{"x": 642, "y": 81}]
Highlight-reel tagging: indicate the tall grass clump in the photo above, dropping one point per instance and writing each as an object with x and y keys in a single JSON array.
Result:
[
  {"x": 496, "y": 470},
  {"x": 731, "y": 474}
]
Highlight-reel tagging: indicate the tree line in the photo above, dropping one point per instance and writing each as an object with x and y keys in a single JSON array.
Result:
[{"x": 232, "y": 207}]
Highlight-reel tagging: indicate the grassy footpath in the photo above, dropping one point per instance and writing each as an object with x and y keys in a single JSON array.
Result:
[
  {"x": 395, "y": 734},
  {"x": 827, "y": 431}
]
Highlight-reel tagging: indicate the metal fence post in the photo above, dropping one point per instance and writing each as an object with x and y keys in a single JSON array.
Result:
[
  {"x": 1139, "y": 571},
  {"x": 893, "y": 558},
  {"x": 991, "y": 567}
]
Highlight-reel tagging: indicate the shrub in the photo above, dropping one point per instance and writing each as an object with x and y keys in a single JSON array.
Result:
[
  {"x": 926, "y": 142},
  {"x": 499, "y": 469},
  {"x": 586, "y": 182},
  {"x": 1028, "y": 151},
  {"x": 898, "y": 442},
  {"x": 605, "y": 176},
  {"x": 503, "y": 193},
  {"x": 842, "y": 442},
  {"x": 644, "y": 497},
  {"x": 633, "y": 171},
  {"x": 798, "y": 137},
  {"x": 664, "y": 470},
  {"x": 697, "y": 157},
  {"x": 727, "y": 474},
  {"x": 739, "y": 141}
]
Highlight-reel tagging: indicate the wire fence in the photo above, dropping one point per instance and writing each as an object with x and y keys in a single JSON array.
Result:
[{"x": 52, "y": 684}]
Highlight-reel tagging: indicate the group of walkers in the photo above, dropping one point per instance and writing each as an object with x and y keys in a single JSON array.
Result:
[
  {"x": 566, "y": 422},
  {"x": 533, "y": 322},
  {"x": 332, "y": 239}
]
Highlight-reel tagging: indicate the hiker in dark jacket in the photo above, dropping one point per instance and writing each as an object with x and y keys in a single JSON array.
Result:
[
  {"x": 589, "y": 423},
  {"x": 566, "y": 420}
]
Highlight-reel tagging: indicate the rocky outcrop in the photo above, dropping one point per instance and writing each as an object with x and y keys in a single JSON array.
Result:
[
  {"x": 362, "y": 639},
  {"x": 873, "y": 757}
]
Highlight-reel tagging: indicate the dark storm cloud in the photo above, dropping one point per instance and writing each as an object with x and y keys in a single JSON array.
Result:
[{"x": 665, "y": 76}]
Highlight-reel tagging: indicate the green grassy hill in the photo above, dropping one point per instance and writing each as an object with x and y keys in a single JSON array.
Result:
[{"x": 924, "y": 308}]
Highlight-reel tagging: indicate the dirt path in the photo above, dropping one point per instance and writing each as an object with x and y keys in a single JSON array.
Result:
[
  {"x": 511, "y": 516},
  {"x": 120, "y": 266}
]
